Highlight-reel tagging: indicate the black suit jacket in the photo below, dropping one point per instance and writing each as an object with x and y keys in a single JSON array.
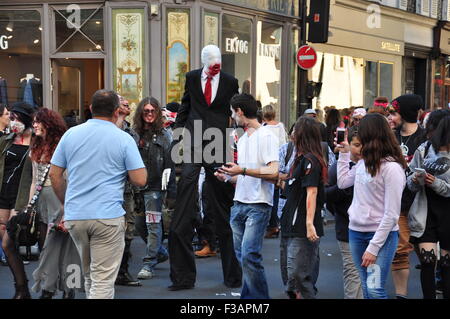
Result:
[
  {"x": 36, "y": 89},
  {"x": 194, "y": 106}
]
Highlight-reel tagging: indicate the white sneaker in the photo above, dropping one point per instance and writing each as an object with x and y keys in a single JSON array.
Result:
[{"x": 145, "y": 274}]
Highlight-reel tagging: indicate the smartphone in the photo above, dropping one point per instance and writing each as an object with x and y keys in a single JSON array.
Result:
[
  {"x": 419, "y": 170},
  {"x": 421, "y": 173},
  {"x": 340, "y": 132}
]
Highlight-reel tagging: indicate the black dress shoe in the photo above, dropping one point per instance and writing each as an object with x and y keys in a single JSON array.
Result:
[
  {"x": 180, "y": 287},
  {"x": 22, "y": 292},
  {"x": 291, "y": 294},
  {"x": 46, "y": 295},
  {"x": 126, "y": 280},
  {"x": 69, "y": 295}
]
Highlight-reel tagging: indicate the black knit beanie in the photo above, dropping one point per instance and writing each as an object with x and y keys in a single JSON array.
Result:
[
  {"x": 173, "y": 107},
  {"x": 408, "y": 106}
]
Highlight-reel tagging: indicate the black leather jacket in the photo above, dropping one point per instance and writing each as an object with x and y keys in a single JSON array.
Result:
[{"x": 155, "y": 153}]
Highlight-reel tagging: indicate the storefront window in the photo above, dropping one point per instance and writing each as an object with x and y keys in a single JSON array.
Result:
[
  {"x": 346, "y": 70},
  {"x": 438, "y": 83},
  {"x": 83, "y": 33},
  {"x": 268, "y": 65},
  {"x": 386, "y": 73},
  {"x": 378, "y": 81},
  {"x": 370, "y": 83},
  {"x": 20, "y": 57},
  {"x": 237, "y": 49},
  {"x": 177, "y": 53}
]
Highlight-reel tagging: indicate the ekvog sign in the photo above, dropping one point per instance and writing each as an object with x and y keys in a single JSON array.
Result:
[{"x": 3, "y": 42}]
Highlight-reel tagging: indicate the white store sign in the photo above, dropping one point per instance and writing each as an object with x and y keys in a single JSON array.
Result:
[
  {"x": 235, "y": 45},
  {"x": 3, "y": 42}
]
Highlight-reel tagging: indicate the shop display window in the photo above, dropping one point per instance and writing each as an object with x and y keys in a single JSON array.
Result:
[
  {"x": 268, "y": 65},
  {"x": 237, "y": 50},
  {"x": 20, "y": 57}
]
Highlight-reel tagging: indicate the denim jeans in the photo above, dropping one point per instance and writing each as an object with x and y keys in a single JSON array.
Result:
[
  {"x": 153, "y": 202},
  {"x": 373, "y": 278},
  {"x": 249, "y": 222},
  {"x": 302, "y": 266}
]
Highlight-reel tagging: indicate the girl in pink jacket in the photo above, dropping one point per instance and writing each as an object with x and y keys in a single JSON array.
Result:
[{"x": 378, "y": 180}]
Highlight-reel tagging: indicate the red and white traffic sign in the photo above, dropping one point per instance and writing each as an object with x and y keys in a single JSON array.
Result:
[{"x": 306, "y": 57}]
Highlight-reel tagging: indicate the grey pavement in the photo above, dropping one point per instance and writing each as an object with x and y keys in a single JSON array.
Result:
[{"x": 209, "y": 276}]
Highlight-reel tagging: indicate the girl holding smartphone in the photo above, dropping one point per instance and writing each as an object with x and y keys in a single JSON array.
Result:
[{"x": 378, "y": 180}]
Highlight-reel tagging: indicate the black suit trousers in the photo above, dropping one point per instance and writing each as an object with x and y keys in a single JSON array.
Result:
[{"x": 220, "y": 200}]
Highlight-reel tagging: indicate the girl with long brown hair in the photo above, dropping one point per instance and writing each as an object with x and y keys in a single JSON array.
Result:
[
  {"x": 378, "y": 180},
  {"x": 301, "y": 221}
]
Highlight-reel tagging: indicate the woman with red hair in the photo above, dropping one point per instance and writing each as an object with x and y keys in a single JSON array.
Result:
[{"x": 59, "y": 250}]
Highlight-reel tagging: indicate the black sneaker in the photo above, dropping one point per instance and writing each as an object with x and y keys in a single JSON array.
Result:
[{"x": 125, "y": 279}]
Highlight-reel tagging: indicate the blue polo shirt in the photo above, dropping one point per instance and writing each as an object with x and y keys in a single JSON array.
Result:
[{"x": 97, "y": 156}]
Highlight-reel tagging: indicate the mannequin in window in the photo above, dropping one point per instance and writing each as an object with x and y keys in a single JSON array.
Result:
[{"x": 30, "y": 90}]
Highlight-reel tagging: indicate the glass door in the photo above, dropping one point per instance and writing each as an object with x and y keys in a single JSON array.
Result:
[{"x": 74, "y": 81}]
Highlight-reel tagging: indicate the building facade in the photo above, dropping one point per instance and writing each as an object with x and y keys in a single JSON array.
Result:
[
  {"x": 68, "y": 49},
  {"x": 383, "y": 48},
  {"x": 139, "y": 48}
]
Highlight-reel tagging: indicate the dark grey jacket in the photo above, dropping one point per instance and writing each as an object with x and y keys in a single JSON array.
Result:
[{"x": 155, "y": 153}]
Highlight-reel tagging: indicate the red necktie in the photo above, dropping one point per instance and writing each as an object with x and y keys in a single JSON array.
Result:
[{"x": 208, "y": 92}]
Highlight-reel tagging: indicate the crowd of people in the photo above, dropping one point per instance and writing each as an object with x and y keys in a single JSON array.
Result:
[{"x": 383, "y": 171}]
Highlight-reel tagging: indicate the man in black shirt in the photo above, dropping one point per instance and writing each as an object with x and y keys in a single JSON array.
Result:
[{"x": 404, "y": 111}]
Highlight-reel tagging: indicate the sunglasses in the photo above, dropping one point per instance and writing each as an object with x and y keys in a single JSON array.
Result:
[
  {"x": 391, "y": 109},
  {"x": 149, "y": 112}
]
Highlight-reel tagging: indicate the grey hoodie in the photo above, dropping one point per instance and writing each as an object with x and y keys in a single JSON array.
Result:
[{"x": 437, "y": 164}]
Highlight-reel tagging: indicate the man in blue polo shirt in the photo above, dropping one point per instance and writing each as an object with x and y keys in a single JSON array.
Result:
[{"x": 98, "y": 157}]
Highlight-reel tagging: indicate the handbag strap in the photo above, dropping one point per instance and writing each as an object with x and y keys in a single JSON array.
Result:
[{"x": 39, "y": 186}]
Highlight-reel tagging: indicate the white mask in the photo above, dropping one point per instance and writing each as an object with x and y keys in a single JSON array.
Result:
[
  {"x": 17, "y": 127},
  {"x": 212, "y": 58}
]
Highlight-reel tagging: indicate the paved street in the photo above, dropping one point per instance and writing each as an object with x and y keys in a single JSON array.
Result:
[{"x": 209, "y": 276}]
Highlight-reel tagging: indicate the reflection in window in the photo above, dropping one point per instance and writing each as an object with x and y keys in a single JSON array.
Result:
[
  {"x": 370, "y": 83},
  {"x": 386, "y": 73},
  {"x": 378, "y": 81},
  {"x": 237, "y": 49},
  {"x": 20, "y": 57},
  {"x": 268, "y": 64}
]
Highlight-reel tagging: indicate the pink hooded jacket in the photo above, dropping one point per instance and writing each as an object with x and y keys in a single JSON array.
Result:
[{"x": 376, "y": 200}]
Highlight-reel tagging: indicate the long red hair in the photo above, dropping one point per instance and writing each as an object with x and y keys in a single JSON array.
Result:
[{"x": 42, "y": 148}]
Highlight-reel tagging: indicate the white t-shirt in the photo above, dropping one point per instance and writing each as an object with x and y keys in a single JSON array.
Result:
[
  {"x": 256, "y": 151},
  {"x": 279, "y": 131}
]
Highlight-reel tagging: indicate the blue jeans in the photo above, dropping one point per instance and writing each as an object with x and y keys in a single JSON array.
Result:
[
  {"x": 153, "y": 202},
  {"x": 373, "y": 278},
  {"x": 249, "y": 222}
]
